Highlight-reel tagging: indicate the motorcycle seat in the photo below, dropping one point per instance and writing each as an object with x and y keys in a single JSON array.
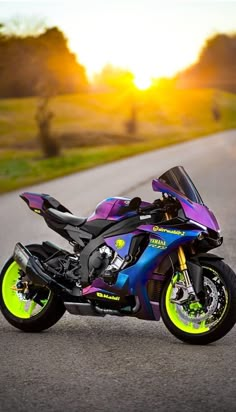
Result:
[{"x": 66, "y": 217}]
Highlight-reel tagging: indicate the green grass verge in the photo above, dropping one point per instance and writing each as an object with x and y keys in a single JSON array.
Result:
[
  {"x": 23, "y": 168},
  {"x": 163, "y": 120}
]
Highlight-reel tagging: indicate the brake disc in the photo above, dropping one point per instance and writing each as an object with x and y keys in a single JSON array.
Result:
[{"x": 199, "y": 313}]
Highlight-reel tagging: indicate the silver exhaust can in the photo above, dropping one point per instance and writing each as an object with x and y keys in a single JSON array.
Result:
[{"x": 21, "y": 256}]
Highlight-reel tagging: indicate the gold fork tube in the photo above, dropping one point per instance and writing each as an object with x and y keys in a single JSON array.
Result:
[
  {"x": 181, "y": 254},
  {"x": 182, "y": 263},
  {"x": 182, "y": 259},
  {"x": 184, "y": 269}
]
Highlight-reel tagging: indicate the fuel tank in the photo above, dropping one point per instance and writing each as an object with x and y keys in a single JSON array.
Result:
[{"x": 113, "y": 208}]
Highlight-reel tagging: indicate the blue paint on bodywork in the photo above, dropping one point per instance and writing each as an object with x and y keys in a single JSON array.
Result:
[{"x": 143, "y": 269}]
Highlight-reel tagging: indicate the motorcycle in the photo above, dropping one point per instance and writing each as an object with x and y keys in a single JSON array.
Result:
[{"x": 130, "y": 258}]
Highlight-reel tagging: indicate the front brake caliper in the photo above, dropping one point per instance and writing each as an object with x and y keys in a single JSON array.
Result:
[{"x": 181, "y": 293}]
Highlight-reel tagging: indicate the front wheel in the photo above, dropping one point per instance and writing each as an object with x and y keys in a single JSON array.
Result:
[
  {"x": 200, "y": 324},
  {"x": 31, "y": 311}
]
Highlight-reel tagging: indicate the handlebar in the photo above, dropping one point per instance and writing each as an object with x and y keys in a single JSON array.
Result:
[
  {"x": 135, "y": 205},
  {"x": 157, "y": 206}
]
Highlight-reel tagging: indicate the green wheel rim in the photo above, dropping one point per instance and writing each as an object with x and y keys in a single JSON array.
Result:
[
  {"x": 174, "y": 315},
  {"x": 20, "y": 309}
]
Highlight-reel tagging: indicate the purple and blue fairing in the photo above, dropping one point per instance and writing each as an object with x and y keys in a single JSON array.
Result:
[
  {"x": 113, "y": 242},
  {"x": 133, "y": 279},
  {"x": 192, "y": 210}
]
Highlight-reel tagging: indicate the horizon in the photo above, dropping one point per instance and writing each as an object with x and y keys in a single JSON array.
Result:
[{"x": 152, "y": 39}]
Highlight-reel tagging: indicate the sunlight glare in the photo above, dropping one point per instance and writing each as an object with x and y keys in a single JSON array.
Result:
[{"x": 142, "y": 82}]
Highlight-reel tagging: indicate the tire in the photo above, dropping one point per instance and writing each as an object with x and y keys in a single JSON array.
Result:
[
  {"x": 28, "y": 316},
  {"x": 183, "y": 321}
]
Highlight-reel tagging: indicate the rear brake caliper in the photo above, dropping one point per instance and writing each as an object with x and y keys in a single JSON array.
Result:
[{"x": 22, "y": 290}]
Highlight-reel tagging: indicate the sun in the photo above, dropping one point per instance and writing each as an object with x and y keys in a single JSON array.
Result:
[{"x": 142, "y": 82}]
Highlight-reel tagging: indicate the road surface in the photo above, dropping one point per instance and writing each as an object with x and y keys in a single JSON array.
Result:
[{"x": 121, "y": 364}]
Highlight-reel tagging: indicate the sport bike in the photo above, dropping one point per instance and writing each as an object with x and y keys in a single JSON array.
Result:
[{"x": 129, "y": 258}]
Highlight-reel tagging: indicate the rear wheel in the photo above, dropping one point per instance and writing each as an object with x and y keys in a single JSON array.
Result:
[
  {"x": 197, "y": 323},
  {"x": 31, "y": 312}
]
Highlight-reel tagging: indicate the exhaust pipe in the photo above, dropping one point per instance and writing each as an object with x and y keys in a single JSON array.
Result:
[
  {"x": 103, "y": 311},
  {"x": 80, "y": 308},
  {"x": 32, "y": 267},
  {"x": 21, "y": 256}
]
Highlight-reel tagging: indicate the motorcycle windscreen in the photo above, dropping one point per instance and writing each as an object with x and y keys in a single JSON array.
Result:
[{"x": 179, "y": 180}]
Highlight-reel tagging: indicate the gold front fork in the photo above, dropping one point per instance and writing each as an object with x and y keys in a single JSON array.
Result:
[
  {"x": 182, "y": 259},
  {"x": 183, "y": 264},
  {"x": 184, "y": 269}
]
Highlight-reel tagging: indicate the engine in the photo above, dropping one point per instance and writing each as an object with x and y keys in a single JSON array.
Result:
[{"x": 105, "y": 263}]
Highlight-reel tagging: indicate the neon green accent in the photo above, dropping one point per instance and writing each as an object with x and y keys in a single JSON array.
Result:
[
  {"x": 120, "y": 243},
  {"x": 195, "y": 305},
  {"x": 20, "y": 309},
  {"x": 175, "y": 318}
]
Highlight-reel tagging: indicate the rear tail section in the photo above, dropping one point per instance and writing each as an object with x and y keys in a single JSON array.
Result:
[{"x": 40, "y": 202}]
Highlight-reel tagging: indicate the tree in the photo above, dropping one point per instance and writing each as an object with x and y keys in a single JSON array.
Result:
[
  {"x": 44, "y": 115},
  {"x": 216, "y": 67},
  {"x": 131, "y": 125},
  {"x": 29, "y": 61},
  {"x": 39, "y": 64}
]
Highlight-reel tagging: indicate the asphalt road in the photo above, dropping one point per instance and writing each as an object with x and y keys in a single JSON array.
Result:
[{"x": 106, "y": 364}]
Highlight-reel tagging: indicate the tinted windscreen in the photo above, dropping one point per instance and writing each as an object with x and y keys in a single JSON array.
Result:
[{"x": 179, "y": 180}]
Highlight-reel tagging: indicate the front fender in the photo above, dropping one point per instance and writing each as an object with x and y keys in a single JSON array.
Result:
[{"x": 195, "y": 269}]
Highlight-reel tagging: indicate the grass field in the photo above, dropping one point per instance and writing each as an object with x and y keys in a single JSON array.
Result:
[{"x": 91, "y": 129}]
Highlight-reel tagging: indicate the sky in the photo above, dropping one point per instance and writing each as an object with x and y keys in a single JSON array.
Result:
[{"x": 151, "y": 38}]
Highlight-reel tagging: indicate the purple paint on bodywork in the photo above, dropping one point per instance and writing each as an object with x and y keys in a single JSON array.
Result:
[
  {"x": 35, "y": 201},
  {"x": 97, "y": 284},
  {"x": 103, "y": 210},
  {"x": 194, "y": 211},
  {"x": 119, "y": 288},
  {"x": 90, "y": 289},
  {"x": 201, "y": 214},
  {"x": 156, "y": 310},
  {"x": 109, "y": 209}
]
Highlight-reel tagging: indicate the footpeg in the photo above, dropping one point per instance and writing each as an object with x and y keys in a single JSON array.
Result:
[{"x": 110, "y": 276}]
